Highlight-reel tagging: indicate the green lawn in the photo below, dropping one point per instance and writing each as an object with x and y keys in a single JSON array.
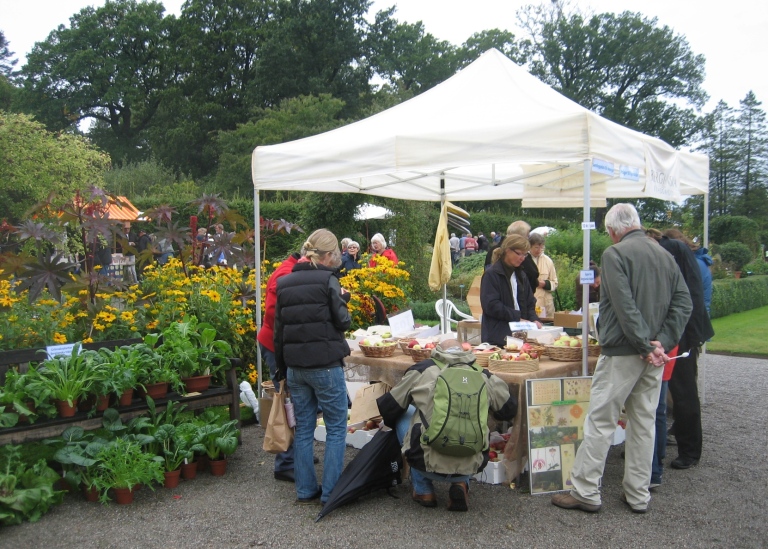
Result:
[{"x": 745, "y": 333}]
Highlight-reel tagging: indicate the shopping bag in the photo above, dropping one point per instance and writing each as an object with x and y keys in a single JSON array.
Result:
[{"x": 278, "y": 436}]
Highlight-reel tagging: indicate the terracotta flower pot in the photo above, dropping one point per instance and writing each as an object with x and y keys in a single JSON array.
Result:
[
  {"x": 87, "y": 404},
  {"x": 64, "y": 409},
  {"x": 156, "y": 390},
  {"x": 126, "y": 398},
  {"x": 123, "y": 496},
  {"x": 196, "y": 384},
  {"x": 218, "y": 467},
  {"x": 202, "y": 463},
  {"x": 189, "y": 470},
  {"x": 172, "y": 478},
  {"x": 102, "y": 403},
  {"x": 91, "y": 494}
]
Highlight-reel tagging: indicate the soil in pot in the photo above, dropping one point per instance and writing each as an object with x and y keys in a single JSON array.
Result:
[
  {"x": 196, "y": 384},
  {"x": 218, "y": 467},
  {"x": 64, "y": 409},
  {"x": 172, "y": 478},
  {"x": 189, "y": 470},
  {"x": 123, "y": 496},
  {"x": 126, "y": 398}
]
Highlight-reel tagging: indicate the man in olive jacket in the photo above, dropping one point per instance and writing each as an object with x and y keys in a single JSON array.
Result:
[
  {"x": 644, "y": 306},
  {"x": 417, "y": 389}
]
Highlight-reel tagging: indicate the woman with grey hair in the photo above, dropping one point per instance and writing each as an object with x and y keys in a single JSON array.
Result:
[
  {"x": 350, "y": 257},
  {"x": 379, "y": 246}
]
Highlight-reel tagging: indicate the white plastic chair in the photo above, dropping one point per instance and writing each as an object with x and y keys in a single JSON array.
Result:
[{"x": 451, "y": 309}]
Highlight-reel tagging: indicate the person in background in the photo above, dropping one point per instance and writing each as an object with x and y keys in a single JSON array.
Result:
[
  {"x": 594, "y": 288},
  {"x": 705, "y": 263},
  {"x": 311, "y": 316},
  {"x": 644, "y": 306},
  {"x": 547, "y": 275},
  {"x": 454, "y": 243},
  {"x": 529, "y": 267},
  {"x": 505, "y": 293},
  {"x": 682, "y": 384},
  {"x": 143, "y": 243},
  {"x": 283, "y": 469},
  {"x": 482, "y": 243},
  {"x": 470, "y": 244},
  {"x": 351, "y": 257},
  {"x": 462, "y": 243},
  {"x": 344, "y": 244},
  {"x": 379, "y": 246},
  {"x": 415, "y": 393}
]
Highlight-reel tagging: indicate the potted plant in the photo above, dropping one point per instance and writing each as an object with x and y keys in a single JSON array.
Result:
[
  {"x": 193, "y": 350},
  {"x": 176, "y": 450},
  {"x": 18, "y": 404},
  {"x": 65, "y": 379},
  {"x": 120, "y": 371},
  {"x": 190, "y": 434},
  {"x": 27, "y": 492},
  {"x": 78, "y": 454},
  {"x": 155, "y": 374},
  {"x": 736, "y": 254},
  {"x": 122, "y": 466},
  {"x": 219, "y": 440}
]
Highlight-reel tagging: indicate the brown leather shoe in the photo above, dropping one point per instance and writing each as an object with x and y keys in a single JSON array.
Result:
[
  {"x": 567, "y": 501},
  {"x": 425, "y": 500},
  {"x": 458, "y": 497}
]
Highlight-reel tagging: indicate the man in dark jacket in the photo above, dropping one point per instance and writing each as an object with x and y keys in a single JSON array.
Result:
[{"x": 682, "y": 385}]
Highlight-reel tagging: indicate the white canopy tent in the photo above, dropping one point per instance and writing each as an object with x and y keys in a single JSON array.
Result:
[{"x": 492, "y": 131}]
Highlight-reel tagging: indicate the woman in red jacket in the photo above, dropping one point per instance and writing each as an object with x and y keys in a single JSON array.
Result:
[{"x": 379, "y": 246}]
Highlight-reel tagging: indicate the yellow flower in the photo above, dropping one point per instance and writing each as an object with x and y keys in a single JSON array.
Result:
[
  {"x": 88, "y": 340},
  {"x": 59, "y": 338}
]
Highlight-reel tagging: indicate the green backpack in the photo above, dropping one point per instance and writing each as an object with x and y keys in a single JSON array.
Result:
[{"x": 459, "y": 425}]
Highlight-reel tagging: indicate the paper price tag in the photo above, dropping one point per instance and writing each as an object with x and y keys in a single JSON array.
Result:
[
  {"x": 588, "y": 226},
  {"x": 587, "y": 277},
  {"x": 60, "y": 350}
]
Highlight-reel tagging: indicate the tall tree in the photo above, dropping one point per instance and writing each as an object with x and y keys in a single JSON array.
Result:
[
  {"x": 624, "y": 67},
  {"x": 719, "y": 143},
  {"x": 752, "y": 139},
  {"x": 111, "y": 66},
  {"x": 6, "y": 61}
]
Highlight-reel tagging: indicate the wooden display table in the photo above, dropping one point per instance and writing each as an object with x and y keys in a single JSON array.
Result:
[{"x": 390, "y": 370}]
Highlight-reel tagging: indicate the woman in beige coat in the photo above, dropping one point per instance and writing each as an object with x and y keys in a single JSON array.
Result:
[{"x": 547, "y": 277}]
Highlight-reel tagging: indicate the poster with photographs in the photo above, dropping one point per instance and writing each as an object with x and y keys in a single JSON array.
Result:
[{"x": 556, "y": 411}]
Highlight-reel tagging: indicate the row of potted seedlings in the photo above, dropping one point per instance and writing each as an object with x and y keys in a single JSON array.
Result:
[
  {"x": 149, "y": 450},
  {"x": 183, "y": 359}
]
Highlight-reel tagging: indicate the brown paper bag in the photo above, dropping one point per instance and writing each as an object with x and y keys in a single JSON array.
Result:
[{"x": 278, "y": 436}]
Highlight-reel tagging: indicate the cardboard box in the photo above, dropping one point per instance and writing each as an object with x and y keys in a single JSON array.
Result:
[
  {"x": 567, "y": 320},
  {"x": 364, "y": 405},
  {"x": 494, "y": 473}
]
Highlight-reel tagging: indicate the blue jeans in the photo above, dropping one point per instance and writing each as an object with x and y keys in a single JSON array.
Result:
[
  {"x": 660, "y": 448},
  {"x": 326, "y": 387},
  {"x": 283, "y": 460}
]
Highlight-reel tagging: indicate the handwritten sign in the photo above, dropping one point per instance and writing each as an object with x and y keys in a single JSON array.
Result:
[{"x": 60, "y": 350}]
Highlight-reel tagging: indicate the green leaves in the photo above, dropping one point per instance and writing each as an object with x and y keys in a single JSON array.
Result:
[{"x": 25, "y": 493}]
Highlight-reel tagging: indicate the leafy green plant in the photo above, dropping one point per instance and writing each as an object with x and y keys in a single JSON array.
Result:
[
  {"x": 15, "y": 399},
  {"x": 123, "y": 464},
  {"x": 144, "y": 428},
  {"x": 735, "y": 253},
  {"x": 26, "y": 493},
  {"x": 64, "y": 378},
  {"x": 192, "y": 348},
  {"x": 219, "y": 439},
  {"x": 78, "y": 455},
  {"x": 176, "y": 448}
]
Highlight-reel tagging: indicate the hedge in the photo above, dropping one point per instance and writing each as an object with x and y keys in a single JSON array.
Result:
[{"x": 733, "y": 295}]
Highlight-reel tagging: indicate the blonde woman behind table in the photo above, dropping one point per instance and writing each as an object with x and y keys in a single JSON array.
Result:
[{"x": 547, "y": 276}]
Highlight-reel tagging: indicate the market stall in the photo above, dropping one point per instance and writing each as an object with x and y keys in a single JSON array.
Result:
[{"x": 391, "y": 369}]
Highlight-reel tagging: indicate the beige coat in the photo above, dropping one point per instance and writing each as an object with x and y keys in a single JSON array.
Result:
[{"x": 547, "y": 271}]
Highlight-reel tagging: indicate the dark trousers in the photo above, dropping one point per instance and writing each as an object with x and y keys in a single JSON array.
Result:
[{"x": 687, "y": 408}]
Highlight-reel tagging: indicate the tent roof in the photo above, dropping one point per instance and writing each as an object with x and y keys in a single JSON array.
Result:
[
  {"x": 125, "y": 211},
  {"x": 493, "y": 131}
]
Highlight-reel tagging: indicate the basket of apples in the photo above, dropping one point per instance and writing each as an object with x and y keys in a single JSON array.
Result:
[
  {"x": 419, "y": 353},
  {"x": 568, "y": 348},
  {"x": 483, "y": 353},
  {"x": 514, "y": 362},
  {"x": 381, "y": 348}
]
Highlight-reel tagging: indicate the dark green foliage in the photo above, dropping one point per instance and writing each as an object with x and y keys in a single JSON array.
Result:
[
  {"x": 26, "y": 493},
  {"x": 731, "y": 228},
  {"x": 736, "y": 295},
  {"x": 735, "y": 254},
  {"x": 570, "y": 243}
]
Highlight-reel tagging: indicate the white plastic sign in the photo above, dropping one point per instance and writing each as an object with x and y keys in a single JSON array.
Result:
[{"x": 587, "y": 277}]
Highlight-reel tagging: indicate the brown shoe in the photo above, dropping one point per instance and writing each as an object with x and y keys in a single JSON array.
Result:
[
  {"x": 458, "y": 497},
  {"x": 567, "y": 501},
  {"x": 425, "y": 500}
]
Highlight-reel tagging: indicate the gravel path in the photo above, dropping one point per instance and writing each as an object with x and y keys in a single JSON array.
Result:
[{"x": 720, "y": 503}]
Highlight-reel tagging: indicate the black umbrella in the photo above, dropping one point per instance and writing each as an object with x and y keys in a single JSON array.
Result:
[{"x": 376, "y": 466}]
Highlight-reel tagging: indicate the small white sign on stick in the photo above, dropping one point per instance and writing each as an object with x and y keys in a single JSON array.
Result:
[{"x": 587, "y": 277}]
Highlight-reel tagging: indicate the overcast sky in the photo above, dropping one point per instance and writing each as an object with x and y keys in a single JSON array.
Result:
[{"x": 732, "y": 36}]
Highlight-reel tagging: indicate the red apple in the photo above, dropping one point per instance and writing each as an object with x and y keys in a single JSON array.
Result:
[
  {"x": 412, "y": 343},
  {"x": 466, "y": 346},
  {"x": 370, "y": 424}
]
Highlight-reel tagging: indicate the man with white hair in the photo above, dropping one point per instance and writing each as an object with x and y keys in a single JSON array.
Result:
[
  {"x": 454, "y": 243},
  {"x": 644, "y": 306}
]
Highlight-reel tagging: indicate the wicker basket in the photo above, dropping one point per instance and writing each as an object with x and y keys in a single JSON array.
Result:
[
  {"x": 570, "y": 354},
  {"x": 381, "y": 351},
  {"x": 483, "y": 357},
  {"x": 404, "y": 345},
  {"x": 420, "y": 354},
  {"x": 513, "y": 366}
]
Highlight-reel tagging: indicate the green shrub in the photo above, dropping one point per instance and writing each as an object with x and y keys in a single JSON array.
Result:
[
  {"x": 757, "y": 267},
  {"x": 571, "y": 243},
  {"x": 734, "y": 253},
  {"x": 567, "y": 268},
  {"x": 729, "y": 228},
  {"x": 737, "y": 295}
]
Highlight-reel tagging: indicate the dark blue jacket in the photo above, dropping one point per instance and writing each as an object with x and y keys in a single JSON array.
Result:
[
  {"x": 498, "y": 305},
  {"x": 705, "y": 262}
]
